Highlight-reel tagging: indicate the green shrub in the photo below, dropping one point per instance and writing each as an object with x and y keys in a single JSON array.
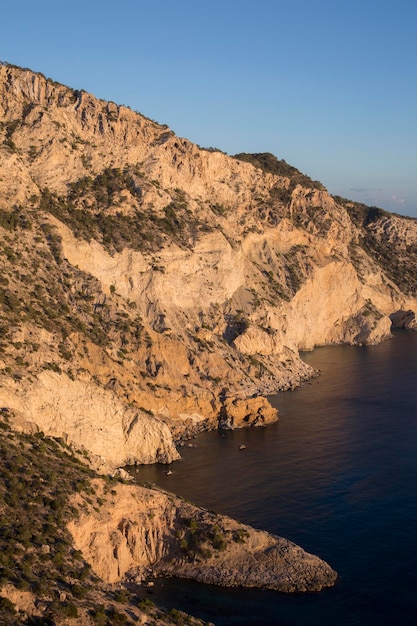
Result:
[
  {"x": 116, "y": 617},
  {"x": 6, "y": 604},
  {"x": 269, "y": 163},
  {"x": 146, "y": 604},
  {"x": 122, "y": 596}
]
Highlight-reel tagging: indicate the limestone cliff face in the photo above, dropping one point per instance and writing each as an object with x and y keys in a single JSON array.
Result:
[
  {"x": 137, "y": 530},
  {"x": 150, "y": 288},
  {"x": 91, "y": 418}
]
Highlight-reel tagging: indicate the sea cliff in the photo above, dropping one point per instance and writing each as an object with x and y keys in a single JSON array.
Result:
[
  {"x": 139, "y": 531},
  {"x": 151, "y": 289},
  {"x": 166, "y": 287}
]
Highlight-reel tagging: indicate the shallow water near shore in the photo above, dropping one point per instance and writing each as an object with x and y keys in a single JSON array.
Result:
[{"x": 337, "y": 475}]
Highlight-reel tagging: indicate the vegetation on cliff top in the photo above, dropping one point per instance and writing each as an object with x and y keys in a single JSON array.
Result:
[
  {"x": 395, "y": 257},
  {"x": 36, "y": 553},
  {"x": 269, "y": 163},
  {"x": 38, "y": 476}
]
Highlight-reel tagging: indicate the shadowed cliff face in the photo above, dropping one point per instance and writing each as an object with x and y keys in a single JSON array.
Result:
[{"x": 150, "y": 287}]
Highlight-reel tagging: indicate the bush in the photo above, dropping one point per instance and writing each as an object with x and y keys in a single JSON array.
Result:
[
  {"x": 269, "y": 163},
  {"x": 69, "y": 610},
  {"x": 116, "y": 618},
  {"x": 146, "y": 604},
  {"x": 122, "y": 596},
  {"x": 6, "y": 604},
  {"x": 99, "y": 616}
]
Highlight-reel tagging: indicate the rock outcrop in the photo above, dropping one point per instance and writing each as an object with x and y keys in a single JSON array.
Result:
[
  {"x": 142, "y": 276},
  {"x": 404, "y": 319},
  {"x": 137, "y": 530},
  {"x": 239, "y": 412},
  {"x": 91, "y": 418}
]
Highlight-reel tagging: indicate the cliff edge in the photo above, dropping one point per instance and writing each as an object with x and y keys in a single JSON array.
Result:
[
  {"x": 151, "y": 289},
  {"x": 136, "y": 531}
]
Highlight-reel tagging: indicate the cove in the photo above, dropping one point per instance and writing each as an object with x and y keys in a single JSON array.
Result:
[{"x": 337, "y": 475}]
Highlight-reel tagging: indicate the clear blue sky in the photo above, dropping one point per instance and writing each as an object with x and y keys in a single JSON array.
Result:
[{"x": 328, "y": 85}]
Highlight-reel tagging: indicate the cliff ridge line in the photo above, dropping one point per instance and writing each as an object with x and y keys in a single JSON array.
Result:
[{"x": 170, "y": 285}]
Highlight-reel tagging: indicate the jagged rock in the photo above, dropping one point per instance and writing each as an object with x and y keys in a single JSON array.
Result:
[
  {"x": 148, "y": 274},
  {"x": 404, "y": 319},
  {"x": 138, "y": 529},
  {"x": 236, "y": 413}
]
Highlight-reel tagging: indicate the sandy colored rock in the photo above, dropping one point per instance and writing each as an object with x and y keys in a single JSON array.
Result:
[
  {"x": 92, "y": 419},
  {"x": 139, "y": 529},
  {"x": 236, "y": 413},
  {"x": 126, "y": 342},
  {"x": 24, "y": 601}
]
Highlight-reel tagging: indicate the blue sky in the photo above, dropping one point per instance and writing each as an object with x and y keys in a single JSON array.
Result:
[{"x": 328, "y": 85}]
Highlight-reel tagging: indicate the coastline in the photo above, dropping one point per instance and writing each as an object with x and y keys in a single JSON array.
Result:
[
  {"x": 137, "y": 530},
  {"x": 335, "y": 475}
]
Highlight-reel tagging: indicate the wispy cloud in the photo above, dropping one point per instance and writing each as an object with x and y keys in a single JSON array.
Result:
[
  {"x": 365, "y": 189},
  {"x": 384, "y": 198},
  {"x": 397, "y": 200}
]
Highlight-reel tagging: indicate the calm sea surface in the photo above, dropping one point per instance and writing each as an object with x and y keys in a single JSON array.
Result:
[{"x": 337, "y": 474}]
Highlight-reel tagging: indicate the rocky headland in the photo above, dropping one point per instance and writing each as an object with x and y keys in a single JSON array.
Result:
[
  {"x": 76, "y": 546},
  {"x": 151, "y": 289},
  {"x": 141, "y": 531}
]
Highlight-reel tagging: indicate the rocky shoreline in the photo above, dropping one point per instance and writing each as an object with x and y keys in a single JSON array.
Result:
[
  {"x": 137, "y": 530},
  {"x": 172, "y": 287},
  {"x": 152, "y": 289}
]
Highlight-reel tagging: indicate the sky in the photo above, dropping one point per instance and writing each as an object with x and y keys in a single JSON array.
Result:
[{"x": 328, "y": 85}]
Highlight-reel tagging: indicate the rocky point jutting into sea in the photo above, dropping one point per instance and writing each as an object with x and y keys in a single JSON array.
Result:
[{"x": 151, "y": 289}]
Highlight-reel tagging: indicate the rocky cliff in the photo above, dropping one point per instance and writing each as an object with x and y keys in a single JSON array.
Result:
[
  {"x": 75, "y": 546},
  {"x": 137, "y": 530},
  {"x": 150, "y": 288}
]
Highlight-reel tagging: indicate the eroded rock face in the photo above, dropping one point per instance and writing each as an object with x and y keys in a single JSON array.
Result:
[
  {"x": 404, "y": 319},
  {"x": 138, "y": 529},
  {"x": 149, "y": 275},
  {"x": 237, "y": 413},
  {"x": 90, "y": 418}
]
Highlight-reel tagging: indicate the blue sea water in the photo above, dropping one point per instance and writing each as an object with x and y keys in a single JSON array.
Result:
[{"x": 337, "y": 475}]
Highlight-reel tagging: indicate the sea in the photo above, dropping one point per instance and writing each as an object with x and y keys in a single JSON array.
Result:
[{"x": 337, "y": 474}]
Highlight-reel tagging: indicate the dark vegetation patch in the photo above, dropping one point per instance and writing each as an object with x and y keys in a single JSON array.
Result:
[
  {"x": 399, "y": 265},
  {"x": 269, "y": 163},
  {"x": 36, "y": 553},
  {"x": 397, "y": 260},
  {"x": 199, "y": 539},
  {"x": 361, "y": 214},
  {"x": 39, "y": 286},
  {"x": 90, "y": 210}
]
